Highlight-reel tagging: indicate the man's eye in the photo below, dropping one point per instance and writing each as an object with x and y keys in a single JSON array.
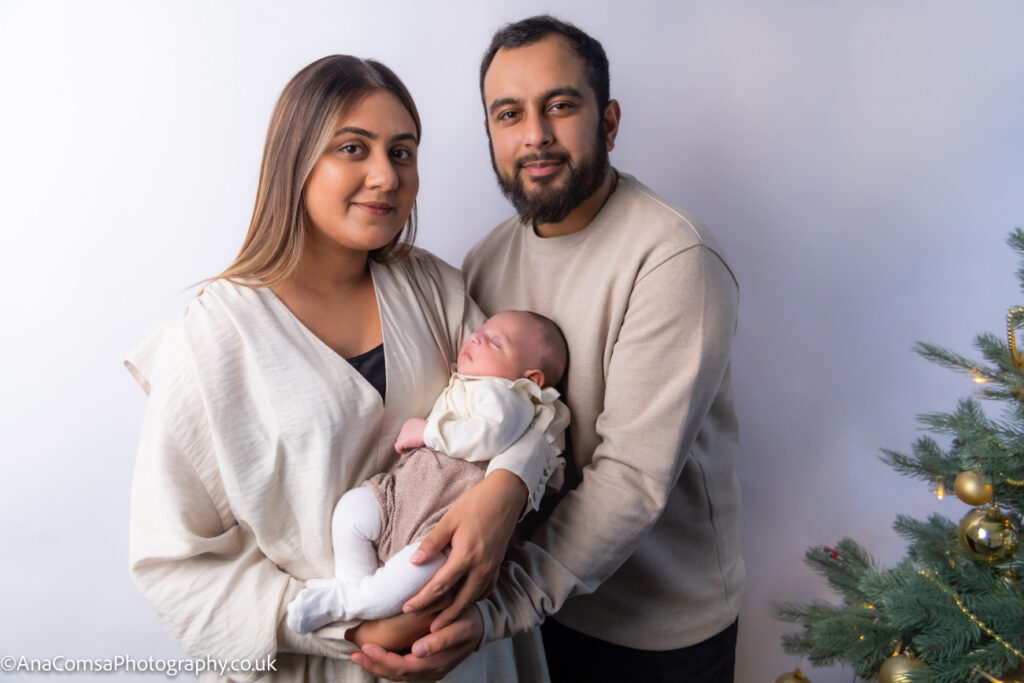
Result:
[
  {"x": 561, "y": 106},
  {"x": 506, "y": 115}
]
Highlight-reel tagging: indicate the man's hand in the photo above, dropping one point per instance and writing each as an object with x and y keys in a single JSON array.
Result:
[
  {"x": 432, "y": 656},
  {"x": 411, "y": 435},
  {"x": 478, "y": 527}
]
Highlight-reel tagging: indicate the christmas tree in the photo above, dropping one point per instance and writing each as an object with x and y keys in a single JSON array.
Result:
[{"x": 953, "y": 610}]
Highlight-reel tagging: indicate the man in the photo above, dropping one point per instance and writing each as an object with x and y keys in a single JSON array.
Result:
[{"x": 639, "y": 564}]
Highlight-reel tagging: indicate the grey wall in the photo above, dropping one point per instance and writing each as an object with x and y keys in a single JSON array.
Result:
[{"x": 860, "y": 162}]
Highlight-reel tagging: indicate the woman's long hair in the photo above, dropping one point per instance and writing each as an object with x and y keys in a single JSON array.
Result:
[{"x": 302, "y": 125}]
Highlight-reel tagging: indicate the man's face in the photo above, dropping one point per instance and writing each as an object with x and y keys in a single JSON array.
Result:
[{"x": 548, "y": 145}]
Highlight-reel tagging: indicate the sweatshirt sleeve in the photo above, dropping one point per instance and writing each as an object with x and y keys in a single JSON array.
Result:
[
  {"x": 210, "y": 584},
  {"x": 678, "y": 328}
]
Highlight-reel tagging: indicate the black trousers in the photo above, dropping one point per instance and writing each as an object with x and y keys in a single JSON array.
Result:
[{"x": 573, "y": 656}]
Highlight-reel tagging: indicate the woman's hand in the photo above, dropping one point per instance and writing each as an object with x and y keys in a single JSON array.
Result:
[
  {"x": 432, "y": 657},
  {"x": 478, "y": 527}
]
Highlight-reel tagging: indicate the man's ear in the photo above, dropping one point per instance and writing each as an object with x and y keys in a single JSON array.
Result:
[
  {"x": 535, "y": 376},
  {"x": 612, "y": 116}
]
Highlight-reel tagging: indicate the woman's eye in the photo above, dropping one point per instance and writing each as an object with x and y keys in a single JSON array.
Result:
[
  {"x": 351, "y": 149},
  {"x": 402, "y": 154}
]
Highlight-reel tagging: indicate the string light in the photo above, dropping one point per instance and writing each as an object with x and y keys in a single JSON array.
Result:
[
  {"x": 977, "y": 622},
  {"x": 978, "y": 376}
]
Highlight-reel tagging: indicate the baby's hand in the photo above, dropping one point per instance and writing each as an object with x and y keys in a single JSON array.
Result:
[{"x": 411, "y": 435}]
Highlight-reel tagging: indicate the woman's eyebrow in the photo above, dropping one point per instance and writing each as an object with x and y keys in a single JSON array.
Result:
[
  {"x": 373, "y": 136},
  {"x": 357, "y": 131}
]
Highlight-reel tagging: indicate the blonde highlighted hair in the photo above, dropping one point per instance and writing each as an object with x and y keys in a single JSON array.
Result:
[{"x": 300, "y": 128}]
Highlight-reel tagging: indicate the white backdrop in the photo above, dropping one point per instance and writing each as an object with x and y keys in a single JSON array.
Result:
[{"x": 860, "y": 162}]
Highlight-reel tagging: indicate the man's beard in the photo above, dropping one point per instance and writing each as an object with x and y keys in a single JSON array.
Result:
[{"x": 552, "y": 205}]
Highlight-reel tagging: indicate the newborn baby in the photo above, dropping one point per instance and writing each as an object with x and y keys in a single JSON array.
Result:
[{"x": 505, "y": 372}]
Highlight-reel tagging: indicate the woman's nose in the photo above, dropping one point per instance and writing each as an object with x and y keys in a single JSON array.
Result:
[{"x": 381, "y": 173}]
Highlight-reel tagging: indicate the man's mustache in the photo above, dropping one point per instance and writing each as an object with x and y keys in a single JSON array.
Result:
[{"x": 560, "y": 157}]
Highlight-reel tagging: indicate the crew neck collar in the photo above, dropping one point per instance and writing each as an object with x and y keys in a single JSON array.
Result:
[{"x": 600, "y": 222}]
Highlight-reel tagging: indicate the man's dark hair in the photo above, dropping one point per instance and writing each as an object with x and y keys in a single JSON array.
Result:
[{"x": 529, "y": 31}]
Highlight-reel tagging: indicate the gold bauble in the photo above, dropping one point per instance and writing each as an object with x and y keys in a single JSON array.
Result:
[
  {"x": 895, "y": 668},
  {"x": 1015, "y": 676},
  {"x": 988, "y": 535},
  {"x": 794, "y": 677},
  {"x": 973, "y": 488}
]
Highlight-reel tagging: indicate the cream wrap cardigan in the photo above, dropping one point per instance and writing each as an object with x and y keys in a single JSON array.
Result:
[{"x": 253, "y": 430}]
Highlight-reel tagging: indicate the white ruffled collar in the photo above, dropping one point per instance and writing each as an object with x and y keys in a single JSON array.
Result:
[{"x": 540, "y": 395}]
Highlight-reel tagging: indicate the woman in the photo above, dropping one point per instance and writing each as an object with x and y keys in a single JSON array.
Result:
[{"x": 286, "y": 381}]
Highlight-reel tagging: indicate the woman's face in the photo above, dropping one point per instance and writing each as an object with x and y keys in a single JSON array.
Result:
[{"x": 361, "y": 190}]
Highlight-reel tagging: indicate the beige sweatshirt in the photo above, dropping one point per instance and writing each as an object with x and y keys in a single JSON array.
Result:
[
  {"x": 645, "y": 551},
  {"x": 253, "y": 430}
]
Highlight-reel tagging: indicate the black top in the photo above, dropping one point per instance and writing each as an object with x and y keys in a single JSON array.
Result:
[{"x": 371, "y": 366}]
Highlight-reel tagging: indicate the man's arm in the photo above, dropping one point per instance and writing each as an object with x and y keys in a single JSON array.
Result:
[{"x": 667, "y": 366}]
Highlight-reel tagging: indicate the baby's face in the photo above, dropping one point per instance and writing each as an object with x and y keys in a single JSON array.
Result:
[{"x": 504, "y": 346}]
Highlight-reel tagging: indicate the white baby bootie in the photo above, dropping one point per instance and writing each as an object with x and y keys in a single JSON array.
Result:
[{"x": 319, "y": 603}]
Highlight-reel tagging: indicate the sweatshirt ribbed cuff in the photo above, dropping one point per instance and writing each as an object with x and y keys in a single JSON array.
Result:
[{"x": 486, "y": 608}]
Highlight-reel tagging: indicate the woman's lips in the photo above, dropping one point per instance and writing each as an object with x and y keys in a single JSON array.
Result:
[{"x": 375, "y": 208}]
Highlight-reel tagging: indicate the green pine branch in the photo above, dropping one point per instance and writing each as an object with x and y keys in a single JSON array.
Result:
[{"x": 958, "y": 613}]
